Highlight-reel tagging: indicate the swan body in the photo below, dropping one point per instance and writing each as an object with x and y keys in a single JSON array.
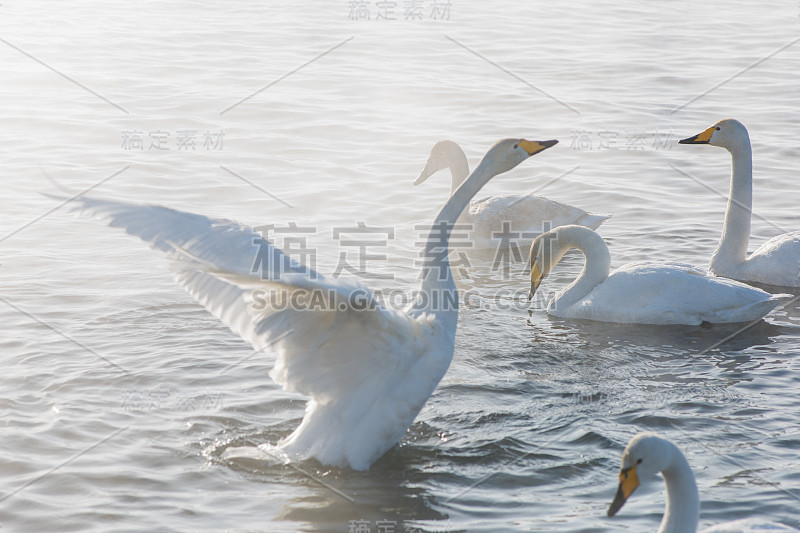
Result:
[
  {"x": 367, "y": 370},
  {"x": 646, "y": 455},
  {"x": 527, "y": 215},
  {"x": 643, "y": 292},
  {"x": 777, "y": 261}
]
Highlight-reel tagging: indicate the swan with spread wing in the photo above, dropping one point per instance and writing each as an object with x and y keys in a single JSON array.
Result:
[{"x": 367, "y": 370}]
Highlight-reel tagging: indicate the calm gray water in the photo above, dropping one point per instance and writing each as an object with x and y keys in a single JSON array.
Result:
[{"x": 120, "y": 395}]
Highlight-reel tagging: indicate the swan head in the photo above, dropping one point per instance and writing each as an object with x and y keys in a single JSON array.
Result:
[
  {"x": 508, "y": 153},
  {"x": 548, "y": 249},
  {"x": 646, "y": 455},
  {"x": 441, "y": 157},
  {"x": 727, "y": 133}
]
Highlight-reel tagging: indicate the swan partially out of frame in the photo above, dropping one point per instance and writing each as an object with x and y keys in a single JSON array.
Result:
[
  {"x": 640, "y": 293},
  {"x": 777, "y": 261},
  {"x": 367, "y": 370},
  {"x": 523, "y": 214},
  {"x": 646, "y": 455}
]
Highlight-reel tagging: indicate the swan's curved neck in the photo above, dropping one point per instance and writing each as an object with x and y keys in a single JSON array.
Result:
[
  {"x": 596, "y": 266},
  {"x": 459, "y": 169},
  {"x": 682, "y": 511},
  {"x": 732, "y": 248},
  {"x": 437, "y": 293}
]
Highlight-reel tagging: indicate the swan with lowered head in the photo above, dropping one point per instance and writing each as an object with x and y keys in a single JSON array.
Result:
[
  {"x": 367, "y": 370},
  {"x": 640, "y": 293},
  {"x": 646, "y": 455},
  {"x": 524, "y": 213},
  {"x": 777, "y": 261}
]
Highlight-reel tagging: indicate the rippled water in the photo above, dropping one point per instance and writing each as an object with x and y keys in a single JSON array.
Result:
[{"x": 120, "y": 396}]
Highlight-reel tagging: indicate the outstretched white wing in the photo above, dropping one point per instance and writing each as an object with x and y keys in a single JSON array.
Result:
[{"x": 331, "y": 335}]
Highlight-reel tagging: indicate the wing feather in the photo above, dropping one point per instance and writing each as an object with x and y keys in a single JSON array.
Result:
[{"x": 254, "y": 289}]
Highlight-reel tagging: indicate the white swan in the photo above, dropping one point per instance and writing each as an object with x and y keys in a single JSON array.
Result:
[
  {"x": 777, "y": 261},
  {"x": 367, "y": 370},
  {"x": 648, "y": 454},
  {"x": 525, "y": 214},
  {"x": 640, "y": 293}
]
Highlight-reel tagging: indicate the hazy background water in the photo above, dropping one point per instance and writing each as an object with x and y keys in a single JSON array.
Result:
[{"x": 120, "y": 395}]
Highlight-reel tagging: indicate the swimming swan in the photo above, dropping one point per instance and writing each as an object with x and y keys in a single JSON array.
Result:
[
  {"x": 524, "y": 213},
  {"x": 640, "y": 293},
  {"x": 777, "y": 261},
  {"x": 367, "y": 370},
  {"x": 648, "y": 454}
]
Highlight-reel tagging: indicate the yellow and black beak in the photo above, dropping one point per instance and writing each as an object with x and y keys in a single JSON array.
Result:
[
  {"x": 534, "y": 147},
  {"x": 628, "y": 481},
  {"x": 536, "y": 279},
  {"x": 536, "y": 272},
  {"x": 700, "y": 138}
]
